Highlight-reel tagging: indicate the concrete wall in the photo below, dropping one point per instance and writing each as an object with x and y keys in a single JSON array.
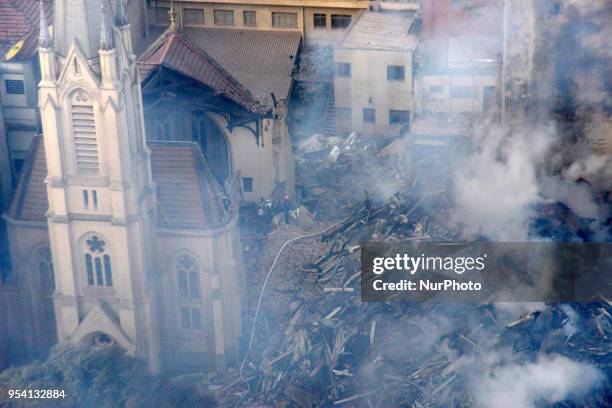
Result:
[{"x": 368, "y": 87}]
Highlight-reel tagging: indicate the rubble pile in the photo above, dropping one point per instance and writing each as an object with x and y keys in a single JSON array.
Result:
[
  {"x": 336, "y": 173},
  {"x": 317, "y": 344}
]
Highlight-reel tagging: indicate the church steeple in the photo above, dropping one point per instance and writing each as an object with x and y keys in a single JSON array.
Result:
[{"x": 81, "y": 20}]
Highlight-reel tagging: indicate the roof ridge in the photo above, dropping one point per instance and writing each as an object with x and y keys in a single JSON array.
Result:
[{"x": 187, "y": 41}]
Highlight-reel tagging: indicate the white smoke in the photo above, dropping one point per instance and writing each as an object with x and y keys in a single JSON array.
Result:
[
  {"x": 548, "y": 380},
  {"x": 497, "y": 185}
]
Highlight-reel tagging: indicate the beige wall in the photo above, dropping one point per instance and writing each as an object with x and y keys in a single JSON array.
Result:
[
  {"x": 368, "y": 87},
  {"x": 266, "y": 164},
  {"x": 304, "y": 11}
]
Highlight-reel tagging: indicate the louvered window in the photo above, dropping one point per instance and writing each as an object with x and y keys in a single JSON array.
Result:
[{"x": 84, "y": 133}]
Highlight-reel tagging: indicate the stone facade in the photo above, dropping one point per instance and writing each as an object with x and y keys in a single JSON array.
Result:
[{"x": 95, "y": 258}]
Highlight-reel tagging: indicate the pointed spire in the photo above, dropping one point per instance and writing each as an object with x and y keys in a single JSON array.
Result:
[
  {"x": 44, "y": 39},
  {"x": 172, "y": 13},
  {"x": 122, "y": 19},
  {"x": 106, "y": 33}
]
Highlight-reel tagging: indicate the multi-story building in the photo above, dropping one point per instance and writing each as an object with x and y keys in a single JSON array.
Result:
[
  {"x": 458, "y": 60},
  {"x": 373, "y": 80},
  {"x": 321, "y": 22}
]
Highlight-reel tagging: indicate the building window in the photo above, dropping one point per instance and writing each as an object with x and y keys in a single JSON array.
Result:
[
  {"x": 436, "y": 89},
  {"x": 188, "y": 277},
  {"x": 224, "y": 17},
  {"x": 193, "y": 16},
  {"x": 396, "y": 72},
  {"x": 464, "y": 92},
  {"x": 399, "y": 117},
  {"x": 250, "y": 18},
  {"x": 14, "y": 87},
  {"x": 162, "y": 14},
  {"x": 45, "y": 270},
  {"x": 340, "y": 20},
  {"x": 247, "y": 184},
  {"x": 343, "y": 69},
  {"x": 98, "y": 263},
  {"x": 287, "y": 20},
  {"x": 369, "y": 115},
  {"x": 84, "y": 133},
  {"x": 320, "y": 20}
]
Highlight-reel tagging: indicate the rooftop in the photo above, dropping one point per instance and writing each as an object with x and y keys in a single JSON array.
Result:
[
  {"x": 387, "y": 31},
  {"x": 177, "y": 51},
  {"x": 179, "y": 170},
  {"x": 261, "y": 60},
  {"x": 19, "y": 21}
]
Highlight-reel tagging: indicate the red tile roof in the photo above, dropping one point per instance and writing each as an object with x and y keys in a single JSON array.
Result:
[
  {"x": 188, "y": 194},
  {"x": 19, "y": 20},
  {"x": 177, "y": 51}
]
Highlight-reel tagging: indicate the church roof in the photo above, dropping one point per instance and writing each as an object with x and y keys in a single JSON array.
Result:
[
  {"x": 261, "y": 60},
  {"x": 177, "y": 51},
  {"x": 188, "y": 194},
  {"x": 19, "y": 25}
]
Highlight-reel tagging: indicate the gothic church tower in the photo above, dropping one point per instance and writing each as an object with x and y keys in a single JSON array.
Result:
[{"x": 102, "y": 204}]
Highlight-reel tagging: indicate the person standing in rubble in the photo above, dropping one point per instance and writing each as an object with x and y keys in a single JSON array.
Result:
[{"x": 286, "y": 206}]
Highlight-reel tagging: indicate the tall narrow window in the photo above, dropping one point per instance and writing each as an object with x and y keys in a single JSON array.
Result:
[
  {"x": 189, "y": 300},
  {"x": 98, "y": 263},
  {"x": 94, "y": 199},
  {"x": 84, "y": 133},
  {"x": 45, "y": 269}
]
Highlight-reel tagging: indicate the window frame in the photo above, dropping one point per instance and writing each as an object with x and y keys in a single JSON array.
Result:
[
  {"x": 98, "y": 262},
  {"x": 187, "y": 274},
  {"x": 345, "y": 19},
  {"x": 279, "y": 16},
  {"x": 316, "y": 17},
  {"x": 346, "y": 71},
  {"x": 218, "y": 12},
  {"x": 435, "y": 89},
  {"x": 402, "y": 114},
  {"x": 186, "y": 10},
  {"x": 247, "y": 182},
  {"x": 369, "y": 115},
  {"x": 393, "y": 70},
  {"x": 252, "y": 13}
]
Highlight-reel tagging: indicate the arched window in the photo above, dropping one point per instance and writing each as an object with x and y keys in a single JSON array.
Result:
[
  {"x": 98, "y": 263},
  {"x": 189, "y": 301},
  {"x": 84, "y": 133},
  {"x": 44, "y": 265},
  {"x": 213, "y": 143}
]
